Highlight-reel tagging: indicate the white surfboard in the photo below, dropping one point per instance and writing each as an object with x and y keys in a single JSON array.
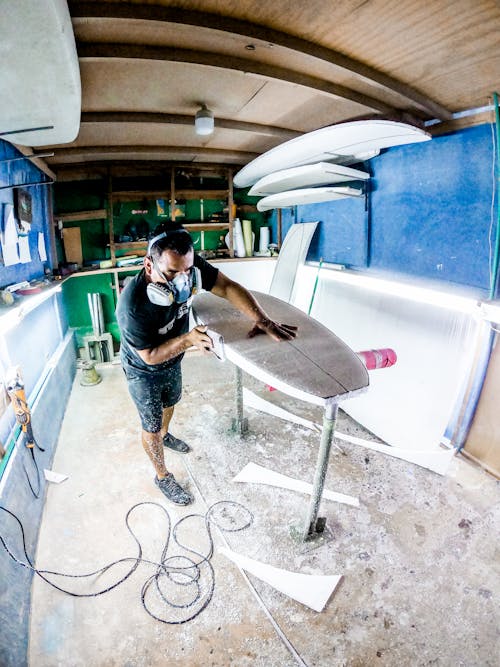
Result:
[
  {"x": 307, "y": 196},
  {"x": 307, "y": 176},
  {"x": 342, "y": 143},
  {"x": 40, "y": 80}
]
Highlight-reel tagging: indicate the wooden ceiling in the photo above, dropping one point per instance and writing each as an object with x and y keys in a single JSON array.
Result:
[{"x": 269, "y": 71}]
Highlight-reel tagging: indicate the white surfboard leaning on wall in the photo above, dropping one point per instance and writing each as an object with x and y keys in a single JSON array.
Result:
[{"x": 345, "y": 143}]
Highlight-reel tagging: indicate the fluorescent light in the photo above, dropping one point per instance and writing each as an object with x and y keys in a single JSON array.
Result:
[
  {"x": 491, "y": 311},
  {"x": 406, "y": 291},
  {"x": 14, "y": 315}
]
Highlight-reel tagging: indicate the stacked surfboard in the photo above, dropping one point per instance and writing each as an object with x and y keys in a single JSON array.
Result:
[{"x": 312, "y": 168}]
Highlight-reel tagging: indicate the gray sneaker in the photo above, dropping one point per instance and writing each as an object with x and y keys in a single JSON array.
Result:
[
  {"x": 174, "y": 443},
  {"x": 173, "y": 491}
]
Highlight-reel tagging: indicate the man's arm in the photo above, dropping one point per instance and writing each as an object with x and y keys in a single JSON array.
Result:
[
  {"x": 245, "y": 302},
  {"x": 175, "y": 346}
]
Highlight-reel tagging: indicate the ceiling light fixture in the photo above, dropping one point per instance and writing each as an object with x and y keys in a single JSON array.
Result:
[{"x": 204, "y": 121}]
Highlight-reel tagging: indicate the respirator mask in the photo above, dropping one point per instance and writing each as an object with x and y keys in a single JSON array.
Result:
[{"x": 178, "y": 290}]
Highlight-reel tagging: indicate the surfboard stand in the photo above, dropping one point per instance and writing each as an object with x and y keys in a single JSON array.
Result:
[
  {"x": 240, "y": 423},
  {"x": 314, "y": 526}
]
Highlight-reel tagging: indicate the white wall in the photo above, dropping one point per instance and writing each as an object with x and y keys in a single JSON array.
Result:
[
  {"x": 409, "y": 404},
  {"x": 254, "y": 274}
]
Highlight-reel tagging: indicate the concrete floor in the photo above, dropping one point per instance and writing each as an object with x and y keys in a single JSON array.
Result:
[{"x": 419, "y": 557}]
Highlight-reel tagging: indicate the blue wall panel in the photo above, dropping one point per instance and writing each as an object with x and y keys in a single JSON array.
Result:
[
  {"x": 429, "y": 213},
  {"x": 430, "y": 208},
  {"x": 15, "y": 582},
  {"x": 342, "y": 234},
  {"x": 17, "y": 173}
]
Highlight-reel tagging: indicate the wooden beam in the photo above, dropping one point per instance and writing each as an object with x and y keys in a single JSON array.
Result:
[
  {"x": 111, "y": 222},
  {"x": 251, "y": 31},
  {"x": 90, "y": 117},
  {"x": 460, "y": 123},
  {"x": 125, "y": 168},
  {"x": 64, "y": 155},
  {"x": 39, "y": 162},
  {"x": 224, "y": 61}
]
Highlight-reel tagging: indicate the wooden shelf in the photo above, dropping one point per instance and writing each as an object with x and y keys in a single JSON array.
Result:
[
  {"x": 139, "y": 195},
  {"x": 98, "y": 214},
  {"x": 206, "y": 227},
  {"x": 172, "y": 193},
  {"x": 200, "y": 194},
  {"x": 131, "y": 245}
]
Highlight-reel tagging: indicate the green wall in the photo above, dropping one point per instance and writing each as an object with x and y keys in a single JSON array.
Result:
[{"x": 141, "y": 217}]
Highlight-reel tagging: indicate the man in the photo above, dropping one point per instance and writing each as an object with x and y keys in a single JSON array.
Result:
[{"x": 153, "y": 316}]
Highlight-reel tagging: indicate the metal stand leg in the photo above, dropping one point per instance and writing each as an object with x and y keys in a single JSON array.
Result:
[
  {"x": 314, "y": 526},
  {"x": 240, "y": 423}
]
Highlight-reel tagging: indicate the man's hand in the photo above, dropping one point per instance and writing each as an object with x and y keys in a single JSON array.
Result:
[
  {"x": 199, "y": 338},
  {"x": 247, "y": 304},
  {"x": 278, "y": 332}
]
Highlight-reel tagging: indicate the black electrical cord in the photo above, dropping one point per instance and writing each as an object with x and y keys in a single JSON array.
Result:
[
  {"x": 37, "y": 469},
  {"x": 180, "y": 570}
]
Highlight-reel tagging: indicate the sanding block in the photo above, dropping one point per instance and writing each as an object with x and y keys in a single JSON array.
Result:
[{"x": 218, "y": 344}]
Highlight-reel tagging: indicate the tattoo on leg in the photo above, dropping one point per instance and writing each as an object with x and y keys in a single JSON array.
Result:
[
  {"x": 153, "y": 446},
  {"x": 165, "y": 420}
]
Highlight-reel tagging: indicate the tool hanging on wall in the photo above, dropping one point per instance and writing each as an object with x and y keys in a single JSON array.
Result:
[{"x": 15, "y": 388}]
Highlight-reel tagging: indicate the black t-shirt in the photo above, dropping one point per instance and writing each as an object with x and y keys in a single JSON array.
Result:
[{"x": 144, "y": 325}]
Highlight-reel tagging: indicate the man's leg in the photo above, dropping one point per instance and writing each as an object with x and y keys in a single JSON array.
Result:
[
  {"x": 170, "y": 440},
  {"x": 167, "y": 415},
  {"x": 165, "y": 481},
  {"x": 147, "y": 398},
  {"x": 153, "y": 446}
]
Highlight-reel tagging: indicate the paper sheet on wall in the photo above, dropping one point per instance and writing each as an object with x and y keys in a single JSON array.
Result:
[
  {"x": 9, "y": 228},
  {"x": 41, "y": 247},
  {"x": 24, "y": 249},
  {"x": 8, "y": 236},
  {"x": 10, "y": 254}
]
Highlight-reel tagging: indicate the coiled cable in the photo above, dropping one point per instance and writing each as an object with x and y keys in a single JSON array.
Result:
[{"x": 170, "y": 571}]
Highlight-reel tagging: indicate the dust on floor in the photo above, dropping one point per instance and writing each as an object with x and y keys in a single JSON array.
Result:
[{"x": 419, "y": 557}]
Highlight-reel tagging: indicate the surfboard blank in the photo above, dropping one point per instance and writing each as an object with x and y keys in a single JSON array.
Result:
[
  {"x": 313, "y": 367},
  {"x": 343, "y": 143},
  {"x": 307, "y": 176},
  {"x": 306, "y": 196}
]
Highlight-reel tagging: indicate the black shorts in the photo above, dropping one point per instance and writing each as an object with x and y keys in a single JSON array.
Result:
[{"x": 154, "y": 391}]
